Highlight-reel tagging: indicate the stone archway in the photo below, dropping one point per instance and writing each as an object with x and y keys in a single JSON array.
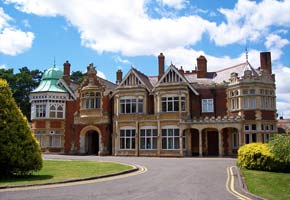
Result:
[{"x": 91, "y": 140}]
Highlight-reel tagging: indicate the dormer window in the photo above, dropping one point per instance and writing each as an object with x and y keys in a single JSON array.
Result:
[{"x": 91, "y": 100}]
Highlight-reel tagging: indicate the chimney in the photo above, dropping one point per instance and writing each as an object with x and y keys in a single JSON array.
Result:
[
  {"x": 201, "y": 67},
  {"x": 181, "y": 71},
  {"x": 66, "y": 72},
  {"x": 265, "y": 61},
  {"x": 160, "y": 65},
  {"x": 119, "y": 76}
]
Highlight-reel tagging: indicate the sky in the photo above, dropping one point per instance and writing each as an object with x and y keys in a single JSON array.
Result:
[{"x": 119, "y": 34}]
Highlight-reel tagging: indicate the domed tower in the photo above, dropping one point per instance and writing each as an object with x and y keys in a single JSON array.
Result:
[{"x": 48, "y": 105}]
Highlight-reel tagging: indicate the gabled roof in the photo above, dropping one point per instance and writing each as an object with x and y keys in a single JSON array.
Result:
[
  {"x": 140, "y": 76},
  {"x": 181, "y": 76},
  {"x": 225, "y": 74}
]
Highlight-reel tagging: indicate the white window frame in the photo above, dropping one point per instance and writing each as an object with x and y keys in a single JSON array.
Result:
[
  {"x": 250, "y": 137},
  {"x": 207, "y": 105},
  {"x": 130, "y": 138},
  {"x": 40, "y": 110},
  {"x": 55, "y": 139},
  {"x": 168, "y": 100},
  {"x": 170, "y": 134},
  {"x": 41, "y": 137},
  {"x": 57, "y": 113},
  {"x": 235, "y": 140},
  {"x": 136, "y": 103},
  {"x": 91, "y": 100},
  {"x": 149, "y": 139}
]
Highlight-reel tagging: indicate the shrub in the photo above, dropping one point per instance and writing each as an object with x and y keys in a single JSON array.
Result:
[
  {"x": 257, "y": 156},
  {"x": 19, "y": 150},
  {"x": 280, "y": 147}
]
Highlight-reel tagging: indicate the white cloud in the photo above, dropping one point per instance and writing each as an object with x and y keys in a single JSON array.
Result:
[
  {"x": 177, "y": 4},
  {"x": 282, "y": 74},
  {"x": 275, "y": 43},
  {"x": 12, "y": 40},
  {"x": 118, "y": 59},
  {"x": 250, "y": 20},
  {"x": 187, "y": 58},
  {"x": 101, "y": 74},
  {"x": 126, "y": 28},
  {"x": 3, "y": 66}
]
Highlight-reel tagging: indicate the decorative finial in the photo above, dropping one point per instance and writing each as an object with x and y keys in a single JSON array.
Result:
[
  {"x": 246, "y": 53},
  {"x": 54, "y": 61}
]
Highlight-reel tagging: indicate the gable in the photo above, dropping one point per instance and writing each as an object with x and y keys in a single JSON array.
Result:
[
  {"x": 134, "y": 78},
  {"x": 171, "y": 77},
  {"x": 131, "y": 80}
]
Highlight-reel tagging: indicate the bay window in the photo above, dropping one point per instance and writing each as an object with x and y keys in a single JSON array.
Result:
[{"x": 131, "y": 105}]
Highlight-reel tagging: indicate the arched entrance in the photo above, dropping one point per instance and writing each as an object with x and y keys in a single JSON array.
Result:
[
  {"x": 92, "y": 143},
  {"x": 90, "y": 140}
]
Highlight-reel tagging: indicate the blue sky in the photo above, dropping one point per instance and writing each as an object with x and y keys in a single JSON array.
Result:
[{"x": 115, "y": 34}]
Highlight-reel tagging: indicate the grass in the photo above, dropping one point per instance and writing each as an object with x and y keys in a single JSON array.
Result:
[
  {"x": 270, "y": 185},
  {"x": 54, "y": 171}
]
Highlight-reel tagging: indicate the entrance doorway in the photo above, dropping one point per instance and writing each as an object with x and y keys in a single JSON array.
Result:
[
  {"x": 212, "y": 143},
  {"x": 194, "y": 142},
  {"x": 92, "y": 143}
]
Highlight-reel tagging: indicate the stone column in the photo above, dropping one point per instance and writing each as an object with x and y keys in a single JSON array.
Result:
[
  {"x": 240, "y": 138},
  {"x": 200, "y": 143},
  {"x": 137, "y": 139},
  {"x": 117, "y": 105},
  {"x": 220, "y": 143},
  {"x": 117, "y": 139},
  {"x": 82, "y": 144},
  {"x": 159, "y": 138},
  {"x": 188, "y": 142},
  {"x": 180, "y": 142}
]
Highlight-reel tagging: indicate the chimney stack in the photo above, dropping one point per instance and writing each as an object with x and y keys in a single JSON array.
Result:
[
  {"x": 265, "y": 61},
  {"x": 66, "y": 72},
  {"x": 119, "y": 76},
  {"x": 201, "y": 67},
  {"x": 161, "y": 59}
]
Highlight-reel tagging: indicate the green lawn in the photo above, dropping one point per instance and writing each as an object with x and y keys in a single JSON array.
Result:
[
  {"x": 270, "y": 185},
  {"x": 53, "y": 171}
]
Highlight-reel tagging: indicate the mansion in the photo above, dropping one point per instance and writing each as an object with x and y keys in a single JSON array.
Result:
[{"x": 175, "y": 113}]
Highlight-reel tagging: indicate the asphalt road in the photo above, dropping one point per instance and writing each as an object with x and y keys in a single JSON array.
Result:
[{"x": 166, "y": 179}]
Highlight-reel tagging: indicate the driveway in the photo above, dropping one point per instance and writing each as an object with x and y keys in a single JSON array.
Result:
[{"x": 166, "y": 179}]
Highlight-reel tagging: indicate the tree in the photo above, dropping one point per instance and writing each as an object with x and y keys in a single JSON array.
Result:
[
  {"x": 22, "y": 84},
  {"x": 77, "y": 76},
  {"x": 19, "y": 150}
]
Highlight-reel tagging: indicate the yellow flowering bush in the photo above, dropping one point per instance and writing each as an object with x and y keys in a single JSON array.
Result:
[{"x": 257, "y": 156}]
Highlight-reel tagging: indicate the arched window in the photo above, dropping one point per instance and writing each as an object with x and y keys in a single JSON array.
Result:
[{"x": 56, "y": 111}]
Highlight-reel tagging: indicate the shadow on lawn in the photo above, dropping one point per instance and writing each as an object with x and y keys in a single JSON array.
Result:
[{"x": 20, "y": 178}]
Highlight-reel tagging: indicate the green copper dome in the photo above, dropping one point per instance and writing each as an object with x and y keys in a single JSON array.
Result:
[
  {"x": 49, "y": 81},
  {"x": 52, "y": 73}
]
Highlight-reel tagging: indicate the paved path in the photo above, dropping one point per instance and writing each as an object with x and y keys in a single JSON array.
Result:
[{"x": 166, "y": 178}]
